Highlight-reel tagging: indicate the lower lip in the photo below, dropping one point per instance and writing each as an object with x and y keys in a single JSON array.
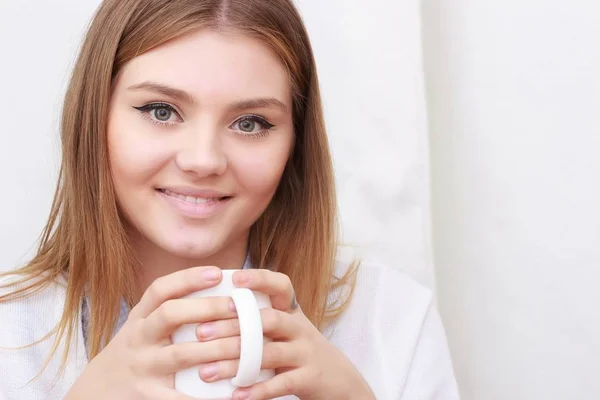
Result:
[{"x": 202, "y": 210}]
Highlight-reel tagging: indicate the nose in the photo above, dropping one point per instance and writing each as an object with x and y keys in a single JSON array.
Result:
[{"x": 201, "y": 153}]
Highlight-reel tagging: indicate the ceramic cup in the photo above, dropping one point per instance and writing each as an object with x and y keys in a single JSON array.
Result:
[{"x": 248, "y": 303}]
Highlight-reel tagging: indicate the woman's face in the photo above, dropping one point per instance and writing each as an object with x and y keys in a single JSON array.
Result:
[{"x": 200, "y": 130}]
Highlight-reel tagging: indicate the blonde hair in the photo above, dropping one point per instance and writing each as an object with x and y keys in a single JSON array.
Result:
[{"x": 84, "y": 239}]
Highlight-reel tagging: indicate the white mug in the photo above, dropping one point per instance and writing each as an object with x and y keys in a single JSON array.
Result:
[{"x": 248, "y": 303}]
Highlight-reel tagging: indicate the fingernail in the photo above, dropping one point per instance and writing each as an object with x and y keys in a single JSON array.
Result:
[
  {"x": 241, "y": 395},
  {"x": 206, "y": 331},
  {"x": 208, "y": 371},
  {"x": 212, "y": 274},
  {"x": 232, "y": 306},
  {"x": 241, "y": 278}
]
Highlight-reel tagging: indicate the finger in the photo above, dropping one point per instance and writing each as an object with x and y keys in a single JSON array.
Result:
[
  {"x": 176, "y": 285},
  {"x": 276, "y": 355},
  {"x": 276, "y": 325},
  {"x": 175, "y": 357},
  {"x": 171, "y": 314},
  {"x": 218, "y": 370},
  {"x": 274, "y": 284},
  {"x": 287, "y": 383},
  {"x": 218, "y": 329},
  {"x": 279, "y": 324}
]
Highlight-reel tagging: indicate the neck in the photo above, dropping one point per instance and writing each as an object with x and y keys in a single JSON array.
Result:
[{"x": 155, "y": 262}]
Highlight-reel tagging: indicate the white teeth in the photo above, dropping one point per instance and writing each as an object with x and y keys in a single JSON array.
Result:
[
  {"x": 199, "y": 200},
  {"x": 191, "y": 199}
]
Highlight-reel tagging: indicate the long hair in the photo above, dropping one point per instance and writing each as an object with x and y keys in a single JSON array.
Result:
[{"x": 85, "y": 240}]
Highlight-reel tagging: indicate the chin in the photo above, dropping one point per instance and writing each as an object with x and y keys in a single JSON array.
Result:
[
  {"x": 192, "y": 251},
  {"x": 187, "y": 247}
]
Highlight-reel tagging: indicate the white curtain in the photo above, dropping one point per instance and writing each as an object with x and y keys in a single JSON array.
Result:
[
  {"x": 369, "y": 56},
  {"x": 514, "y": 101}
]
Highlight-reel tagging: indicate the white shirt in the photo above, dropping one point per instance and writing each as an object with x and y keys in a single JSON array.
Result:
[{"x": 390, "y": 331}]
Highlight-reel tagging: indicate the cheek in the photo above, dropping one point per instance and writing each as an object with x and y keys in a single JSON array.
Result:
[
  {"x": 133, "y": 157},
  {"x": 259, "y": 172}
]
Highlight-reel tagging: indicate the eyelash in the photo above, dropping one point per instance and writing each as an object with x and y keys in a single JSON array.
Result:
[{"x": 146, "y": 109}]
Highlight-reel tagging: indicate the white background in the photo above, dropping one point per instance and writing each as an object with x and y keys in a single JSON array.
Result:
[{"x": 514, "y": 96}]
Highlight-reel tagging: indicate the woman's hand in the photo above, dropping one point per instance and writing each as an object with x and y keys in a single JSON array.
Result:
[
  {"x": 140, "y": 361},
  {"x": 307, "y": 365}
]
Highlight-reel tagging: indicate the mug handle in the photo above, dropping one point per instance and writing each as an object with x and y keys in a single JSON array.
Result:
[{"x": 251, "y": 333}]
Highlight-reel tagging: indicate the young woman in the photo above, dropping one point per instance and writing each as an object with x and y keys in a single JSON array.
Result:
[{"x": 193, "y": 141}]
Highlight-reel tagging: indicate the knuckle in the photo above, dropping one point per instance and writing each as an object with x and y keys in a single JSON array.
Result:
[
  {"x": 233, "y": 326},
  {"x": 156, "y": 290},
  {"x": 266, "y": 318},
  {"x": 222, "y": 349},
  {"x": 258, "y": 276},
  {"x": 285, "y": 280},
  {"x": 226, "y": 348},
  {"x": 164, "y": 312},
  {"x": 190, "y": 274},
  {"x": 274, "y": 353},
  {"x": 135, "y": 312},
  {"x": 271, "y": 318},
  {"x": 178, "y": 355},
  {"x": 233, "y": 347},
  {"x": 279, "y": 317},
  {"x": 260, "y": 391},
  {"x": 139, "y": 363},
  {"x": 213, "y": 307},
  {"x": 227, "y": 368},
  {"x": 132, "y": 334},
  {"x": 289, "y": 383}
]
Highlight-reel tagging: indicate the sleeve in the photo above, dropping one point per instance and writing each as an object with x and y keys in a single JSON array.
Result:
[{"x": 431, "y": 375}]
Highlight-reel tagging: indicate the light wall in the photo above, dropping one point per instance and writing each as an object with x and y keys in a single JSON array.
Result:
[
  {"x": 514, "y": 105},
  {"x": 39, "y": 42}
]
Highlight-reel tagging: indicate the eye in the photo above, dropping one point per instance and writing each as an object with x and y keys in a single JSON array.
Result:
[
  {"x": 252, "y": 125},
  {"x": 160, "y": 113}
]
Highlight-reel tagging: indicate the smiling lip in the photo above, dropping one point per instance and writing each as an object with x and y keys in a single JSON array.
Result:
[
  {"x": 188, "y": 191},
  {"x": 195, "y": 203}
]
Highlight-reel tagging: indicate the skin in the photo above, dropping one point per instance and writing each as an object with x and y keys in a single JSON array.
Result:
[{"x": 204, "y": 144}]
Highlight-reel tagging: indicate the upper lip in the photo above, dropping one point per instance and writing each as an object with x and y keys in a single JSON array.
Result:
[{"x": 194, "y": 192}]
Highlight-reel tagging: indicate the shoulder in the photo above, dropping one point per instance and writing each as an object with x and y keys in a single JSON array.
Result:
[
  {"x": 31, "y": 313},
  {"x": 43, "y": 285},
  {"x": 28, "y": 341},
  {"x": 392, "y": 333},
  {"x": 11, "y": 281},
  {"x": 385, "y": 304},
  {"x": 384, "y": 289}
]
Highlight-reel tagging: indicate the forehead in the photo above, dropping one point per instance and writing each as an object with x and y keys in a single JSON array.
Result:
[{"x": 213, "y": 67}]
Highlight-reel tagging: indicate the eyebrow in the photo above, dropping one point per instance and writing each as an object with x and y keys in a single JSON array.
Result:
[{"x": 182, "y": 95}]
